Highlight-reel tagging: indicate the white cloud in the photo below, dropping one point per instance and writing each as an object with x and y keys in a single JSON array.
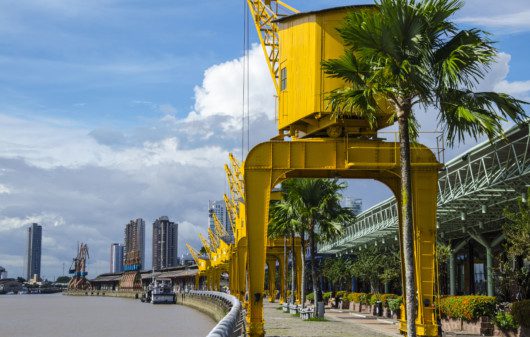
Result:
[
  {"x": 91, "y": 182},
  {"x": 221, "y": 91},
  {"x": 512, "y": 15},
  {"x": 10, "y": 223},
  {"x": 4, "y": 189}
]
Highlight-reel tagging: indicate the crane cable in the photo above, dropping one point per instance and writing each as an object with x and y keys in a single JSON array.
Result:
[{"x": 245, "y": 116}]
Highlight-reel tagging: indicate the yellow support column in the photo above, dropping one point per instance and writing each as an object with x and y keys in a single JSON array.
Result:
[
  {"x": 242, "y": 269},
  {"x": 271, "y": 264},
  {"x": 257, "y": 191}
]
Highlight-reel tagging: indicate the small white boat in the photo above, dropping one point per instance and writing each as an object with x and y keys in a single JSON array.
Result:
[{"x": 161, "y": 292}]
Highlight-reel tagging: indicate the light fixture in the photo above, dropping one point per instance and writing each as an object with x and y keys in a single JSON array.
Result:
[
  {"x": 375, "y": 243},
  {"x": 360, "y": 248},
  {"x": 437, "y": 225},
  {"x": 442, "y": 235},
  {"x": 383, "y": 241},
  {"x": 395, "y": 238},
  {"x": 484, "y": 208},
  {"x": 463, "y": 229},
  {"x": 480, "y": 225},
  {"x": 462, "y": 216},
  {"x": 523, "y": 198},
  {"x": 365, "y": 245}
]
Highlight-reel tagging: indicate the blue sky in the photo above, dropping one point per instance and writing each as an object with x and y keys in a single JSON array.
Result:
[{"x": 112, "y": 110}]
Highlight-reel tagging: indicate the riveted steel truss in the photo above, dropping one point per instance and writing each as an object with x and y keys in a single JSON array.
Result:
[{"x": 474, "y": 189}]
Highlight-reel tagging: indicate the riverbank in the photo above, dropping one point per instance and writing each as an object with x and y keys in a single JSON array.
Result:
[{"x": 213, "y": 309}]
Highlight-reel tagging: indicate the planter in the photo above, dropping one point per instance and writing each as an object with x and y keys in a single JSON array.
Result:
[
  {"x": 387, "y": 313},
  {"x": 366, "y": 309},
  {"x": 352, "y": 306},
  {"x": 395, "y": 314},
  {"x": 285, "y": 307},
  {"x": 482, "y": 326},
  {"x": 293, "y": 309},
  {"x": 506, "y": 333}
]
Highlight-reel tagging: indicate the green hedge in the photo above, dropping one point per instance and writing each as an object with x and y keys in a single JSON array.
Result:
[
  {"x": 505, "y": 321},
  {"x": 326, "y": 296},
  {"x": 310, "y": 297},
  {"x": 394, "y": 304},
  {"x": 521, "y": 312},
  {"x": 468, "y": 308}
]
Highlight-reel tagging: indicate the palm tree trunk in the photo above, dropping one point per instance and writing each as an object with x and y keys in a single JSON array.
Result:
[
  {"x": 302, "y": 241},
  {"x": 406, "y": 210},
  {"x": 285, "y": 260},
  {"x": 312, "y": 258},
  {"x": 293, "y": 270}
]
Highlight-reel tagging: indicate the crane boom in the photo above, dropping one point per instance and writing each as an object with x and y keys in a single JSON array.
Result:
[
  {"x": 219, "y": 228},
  {"x": 264, "y": 12},
  {"x": 206, "y": 245},
  {"x": 214, "y": 239},
  {"x": 193, "y": 253}
]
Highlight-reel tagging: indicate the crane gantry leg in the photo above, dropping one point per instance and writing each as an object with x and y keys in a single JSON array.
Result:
[{"x": 269, "y": 163}]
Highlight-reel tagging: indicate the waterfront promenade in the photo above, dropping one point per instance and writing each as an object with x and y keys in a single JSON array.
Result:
[{"x": 337, "y": 324}]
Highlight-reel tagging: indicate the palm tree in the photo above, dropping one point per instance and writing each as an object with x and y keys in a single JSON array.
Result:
[
  {"x": 408, "y": 53},
  {"x": 283, "y": 223},
  {"x": 317, "y": 206}
]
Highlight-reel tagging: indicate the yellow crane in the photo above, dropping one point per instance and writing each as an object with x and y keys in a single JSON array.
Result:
[{"x": 324, "y": 145}]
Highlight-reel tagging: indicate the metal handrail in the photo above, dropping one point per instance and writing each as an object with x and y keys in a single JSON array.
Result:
[{"x": 233, "y": 324}]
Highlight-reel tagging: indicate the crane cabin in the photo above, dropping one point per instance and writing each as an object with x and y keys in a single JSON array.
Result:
[{"x": 305, "y": 40}]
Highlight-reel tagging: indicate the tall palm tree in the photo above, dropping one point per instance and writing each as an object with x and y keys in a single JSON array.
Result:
[
  {"x": 408, "y": 53},
  {"x": 283, "y": 223},
  {"x": 317, "y": 206}
]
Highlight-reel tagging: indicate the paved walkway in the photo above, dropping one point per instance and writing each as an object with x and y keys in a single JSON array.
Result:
[{"x": 339, "y": 324}]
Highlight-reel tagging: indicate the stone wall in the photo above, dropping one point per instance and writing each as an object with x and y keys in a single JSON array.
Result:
[{"x": 212, "y": 308}]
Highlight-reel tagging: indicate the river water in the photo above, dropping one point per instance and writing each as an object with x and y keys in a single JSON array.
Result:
[{"x": 57, "y": 315}]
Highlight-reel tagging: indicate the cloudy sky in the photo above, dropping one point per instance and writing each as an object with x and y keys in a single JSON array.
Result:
[{"x": 112, "y": 110}]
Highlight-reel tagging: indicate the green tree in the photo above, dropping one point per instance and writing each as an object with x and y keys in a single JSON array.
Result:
[
  {"x": 514, "y": 275},
  {"x": 63, "y": 279},
  {"x": 283, "y": 223},
  {"x": 316, "y": 203},
  {"x": 408, "y": 54}
]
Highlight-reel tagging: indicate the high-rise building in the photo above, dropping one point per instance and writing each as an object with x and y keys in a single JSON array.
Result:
[
  {"x": 116, "y": 258},
  {"x": 135, "y": 239},
  {"x": 34, "y": 249},
  {"x": 165, "y": 243},
  {"x": 219, "y": 208},
  {"x": 355, "y": 205}
]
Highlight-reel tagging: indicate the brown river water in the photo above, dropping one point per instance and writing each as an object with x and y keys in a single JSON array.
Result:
[{"x": 57, "y": 315}]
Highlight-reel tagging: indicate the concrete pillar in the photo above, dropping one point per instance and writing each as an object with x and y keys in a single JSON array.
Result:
[
  {"x": 489, "y": 271},
  {"x": 452, "y": 274},
  {"x": 282, "y": 280},
  {"x": 489, "y": 258}
]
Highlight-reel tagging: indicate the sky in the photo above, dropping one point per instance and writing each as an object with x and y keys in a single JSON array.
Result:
[{"x": 112, "y": 110}]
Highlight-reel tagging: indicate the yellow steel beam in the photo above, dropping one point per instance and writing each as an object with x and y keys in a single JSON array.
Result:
[{"x": 269, "y": 163}]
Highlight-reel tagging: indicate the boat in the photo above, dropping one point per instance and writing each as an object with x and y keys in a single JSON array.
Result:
[{"x": 161, "y": 292}]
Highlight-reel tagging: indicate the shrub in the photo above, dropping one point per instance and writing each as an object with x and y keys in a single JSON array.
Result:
[
  {"x": 310, "y": 297},
  {"x": 326, "y": 296},
  {"x": 365, "y": 298},
  {"x": 341, "y": 293},
  {"x": 355, "y": 297},
  {"x": 468, "y": 308},
  {"x": 386, "y": 297},
  {"x": 505, "y": 321},
  {"x": 521, "y": 312},
  {"x": 374, "y": 298},
  {"x": 394, "y": 304}
]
